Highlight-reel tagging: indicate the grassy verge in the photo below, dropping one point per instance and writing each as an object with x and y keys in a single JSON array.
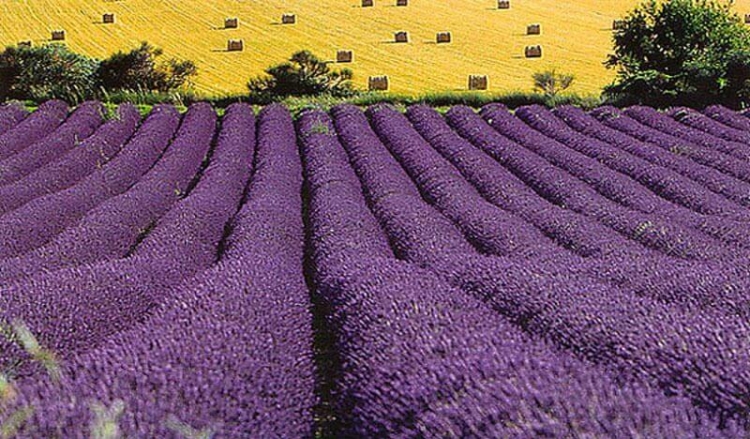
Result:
[{"x": 439, "y": 100}]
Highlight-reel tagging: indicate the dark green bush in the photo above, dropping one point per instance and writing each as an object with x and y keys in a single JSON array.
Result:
[
  {"x": 141, "y": 69},
  {"x": 687, "y": 52},
  {"x": 303, "y": 75},
  {"x": 46, "y": 72}
]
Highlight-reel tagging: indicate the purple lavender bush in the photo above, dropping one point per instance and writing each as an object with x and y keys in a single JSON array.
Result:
[{"x": 76, "y": 128}]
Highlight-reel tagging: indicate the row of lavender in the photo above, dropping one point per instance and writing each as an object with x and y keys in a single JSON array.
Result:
[
  {"x": 548, "y": 273},
  {"x": 634, "y": 268},
  {"x": 151, "y": 275}
]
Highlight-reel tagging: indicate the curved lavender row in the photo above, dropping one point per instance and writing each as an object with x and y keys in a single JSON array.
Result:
[
  {"x": 686, "y": 130},
  {"x": 665, "y": 182},
  {"x": 76, "y": 128},
  {"x": 91, "y": 154},
  {"x": 728, "y": 117},
  {"x": 418, "y": 341},
  {"x": 578, "y": 233},
  {"x": 111, "y": 229},
  {"x": 635, "y": 274},
  {"x": 625, "y": 264},
  {"x": 562, "y": 189},
  {"x": 725, "y": 275},
  {"x": 705, "y": 155},
  {"x": 405, "y": 186},
  {"x": 490, "y": 229},
  {"x": 340, "y": 224},
  {"x": 390, "y": 189},
  {"x": 695, "y": 119},
  {"x": 232, "y": 351},
  {"x": 33, "y": 128},
  {"x": 109, "y": 297},
  {"x": 715, "y": 180},
  {"x": 10, "y": 116},
  {"x": 39, "y": 220},
  {"x": 422, "y": 359},
  {"x": 618, "y": 329},
  {"x": 731, "y": 227},
  {"x": 699, "y": 354},
  {"x": 198, "y": 221}
]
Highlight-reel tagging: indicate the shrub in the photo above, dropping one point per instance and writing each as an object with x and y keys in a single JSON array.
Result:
[
  {"x": 550, "y": 82},
  {"x": 681, "y": 52},
  {"x": 303, "y": 75},
  {"x": 141, "y": 70},
  {"x": 46, "y": 72}
]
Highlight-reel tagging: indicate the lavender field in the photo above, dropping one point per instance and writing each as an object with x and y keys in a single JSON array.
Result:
[{"x": 374, "y": 273}]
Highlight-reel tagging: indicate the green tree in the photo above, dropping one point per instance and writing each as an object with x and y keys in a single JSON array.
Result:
[
  {"x": 303, "y": 75},
  {"x": 46, "y": 72},
  {"x": 141, "y": 69},
  {"x": 681, "y": 52},
  {"x": 550, "y": 82}
]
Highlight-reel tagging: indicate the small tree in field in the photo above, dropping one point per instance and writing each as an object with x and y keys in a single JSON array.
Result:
[
  {"x": 46, "y": 72},
  {"x": 142, "y": 69},
  {"x": 303, "y": 75},
  {"x": 550, "y": 82},
  {"x": 670, "y": 52}
]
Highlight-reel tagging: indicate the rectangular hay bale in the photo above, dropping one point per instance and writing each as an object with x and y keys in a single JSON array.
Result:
[
  {"x": 378, "y": 83},
  {"x": 444, "y": 37},
  {"x": 235, "y": 46},
  {"x": 618, "y": 24},
  {"x": 533, "y": 51},
  {"x": 534, "y": 29},
  {"x": 344, "y": 56},
  {"x": 401, "y": 37},
  {"x": 503, "y": 4},
  {"x": 231, "y": 23},
  {"x": 108, "y": 18},
  {"x": 58, "y": 35},
  {"x": 288, "y": 19},
  {"x": 478, "y": 82}
]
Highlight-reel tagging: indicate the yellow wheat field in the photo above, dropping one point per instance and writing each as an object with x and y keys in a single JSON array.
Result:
[{"x": 575, "y": 36}]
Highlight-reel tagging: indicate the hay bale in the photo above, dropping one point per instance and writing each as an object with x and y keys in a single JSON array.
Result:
[
  {"x": 533, "y": 51},
  {"x": 444, "y": 37},
  {"x": 402, "y": 2},
  {"x": 344, "y": 56},
  {"x": 401, "y": 37},
  {"x": 108, "y": 18},
  {"x": 288, "y": 19},
  {"x": 58, "y": 35},
  {"x": 368, "y": 3},
  {"x": 503, "y": 4},
  {"x": 235, "y": 46},
  {"x": 231, "y": 23},
  {"x": 618, "y": 24},
  {"x": 478, "y": 82},
  {"x": 378, "y": 83},
  {"x": 534, "y": 29},
  {"x": 747, "y": 18}
]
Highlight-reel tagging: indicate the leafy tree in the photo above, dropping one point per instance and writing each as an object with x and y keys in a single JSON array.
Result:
[
  {"x": 303, "y": 75},
  {"x": 550, "y": 82},
  {"x": 141, "y": 70},
  {"x": 46, "y": 72},
  {"x": 681, "y": 52}
]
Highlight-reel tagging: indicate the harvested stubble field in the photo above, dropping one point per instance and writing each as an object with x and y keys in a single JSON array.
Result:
[
  {"x": 575, "y": 36},
  {"x": 371, "y": 273}
]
